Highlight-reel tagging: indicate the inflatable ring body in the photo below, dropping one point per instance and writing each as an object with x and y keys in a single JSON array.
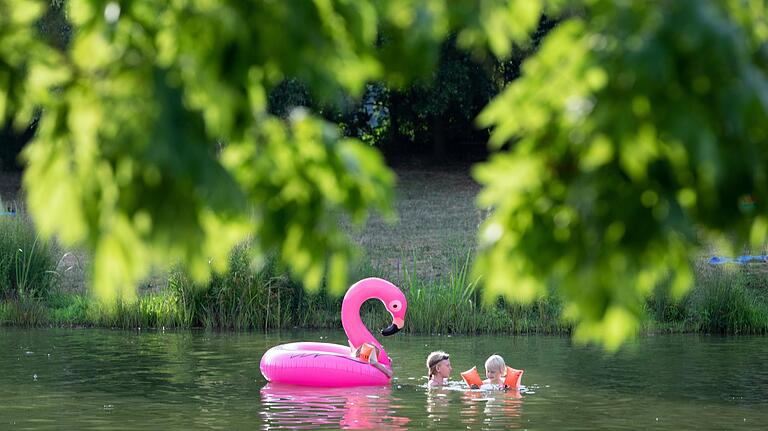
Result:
[
  {"x": 318, "y": 364},
  {"x": 325, "y": 364}
]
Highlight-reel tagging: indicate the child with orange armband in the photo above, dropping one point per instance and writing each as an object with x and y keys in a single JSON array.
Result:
[{"x": 499, "y": 376}]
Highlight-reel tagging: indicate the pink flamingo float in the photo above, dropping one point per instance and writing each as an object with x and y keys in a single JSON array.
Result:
[{"x": 325, "y": 364}]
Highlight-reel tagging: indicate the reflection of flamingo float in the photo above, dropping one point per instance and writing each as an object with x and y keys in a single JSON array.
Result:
[
  {"x": 288, "y": 406},
  {"x": 325, "y": 364}
]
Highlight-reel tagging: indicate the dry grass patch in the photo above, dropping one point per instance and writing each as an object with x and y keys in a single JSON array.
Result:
[{"x": 437, "y": 224}]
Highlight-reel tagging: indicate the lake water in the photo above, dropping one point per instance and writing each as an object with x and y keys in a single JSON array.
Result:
[{"x": 102, "y": 379}]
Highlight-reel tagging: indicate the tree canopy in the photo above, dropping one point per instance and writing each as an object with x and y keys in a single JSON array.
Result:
[{"x": 635, "y": 129}]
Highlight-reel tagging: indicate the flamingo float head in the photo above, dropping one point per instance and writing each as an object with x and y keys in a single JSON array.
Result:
[
  {"x": 395, "y": 303},
  {"x": 372, "y": 288}
]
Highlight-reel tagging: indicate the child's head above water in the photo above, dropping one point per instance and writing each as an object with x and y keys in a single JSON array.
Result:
[
  {"x": 494, "y": 367},
  {"x": 439, "y": 365}
]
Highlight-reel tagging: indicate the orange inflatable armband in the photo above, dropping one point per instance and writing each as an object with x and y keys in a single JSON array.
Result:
[
  {"x": 365, "y": 351},
  {"x": 472, "y": 377},
  {"x": 512, "y": 380}
]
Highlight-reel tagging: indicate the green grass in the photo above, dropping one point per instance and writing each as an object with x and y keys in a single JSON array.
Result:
[
  {"x": 453, "y": 304},
  {"x": 24, "y": 311},
  {"x": 27, "y": 264},
  {"x": 437, "y": 222},
  {"x": 428, "y": 254},
  {"x": 724, "y": 300},
  {"x": 249, "y": 298}
]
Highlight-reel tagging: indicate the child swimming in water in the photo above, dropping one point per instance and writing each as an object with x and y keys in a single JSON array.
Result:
[
  {"x": 495, "y": 370},
  {"x": 499, "y": 376},
  {"x": 439, "y": 368}
]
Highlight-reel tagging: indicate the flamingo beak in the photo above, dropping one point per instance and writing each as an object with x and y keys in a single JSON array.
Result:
[{"x": 397, "y": 325}]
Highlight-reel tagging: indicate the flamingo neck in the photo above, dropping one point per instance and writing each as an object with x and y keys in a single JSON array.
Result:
[{"x": 354, "y": 326}]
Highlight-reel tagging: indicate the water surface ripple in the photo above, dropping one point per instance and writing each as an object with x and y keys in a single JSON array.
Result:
[{"x": 103, "y": 379}]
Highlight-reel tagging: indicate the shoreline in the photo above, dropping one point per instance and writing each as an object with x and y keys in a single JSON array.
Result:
[{"x": 429, "y": 260}]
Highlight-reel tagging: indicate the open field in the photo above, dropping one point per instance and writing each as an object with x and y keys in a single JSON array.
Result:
[{"x": 437, "y": 223}]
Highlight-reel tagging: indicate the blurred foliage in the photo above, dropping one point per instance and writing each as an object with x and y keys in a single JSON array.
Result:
[
  {"x": 13, "y": 140},
  {"x": 635, "y": 126},
  {"x": 56, "y": 32},
  {"x": 156, "y": 143}
]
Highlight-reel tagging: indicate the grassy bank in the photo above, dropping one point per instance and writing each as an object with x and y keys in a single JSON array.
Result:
[
  {"x": 428, "y": 254},
  {"x": 728, "y": 300},
  {"x": 247, "y": 299}
]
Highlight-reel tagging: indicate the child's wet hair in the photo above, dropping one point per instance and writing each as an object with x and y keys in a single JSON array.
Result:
[{"x": 495, "y": 363}]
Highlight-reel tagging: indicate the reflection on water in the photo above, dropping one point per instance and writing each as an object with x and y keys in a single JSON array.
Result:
[
  {"x": 495, "y": 409},
  {"x": 476, "y": 408},
  {"x": 438, "y": 404},
  {"x": 100, "y": 379},
  {"x": 297, "y": 407}
]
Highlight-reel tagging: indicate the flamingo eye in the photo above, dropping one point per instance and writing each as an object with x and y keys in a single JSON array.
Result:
[{"x": 395, "y": 305}]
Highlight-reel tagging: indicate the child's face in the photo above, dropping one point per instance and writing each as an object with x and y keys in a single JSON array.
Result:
[
  {"x": 492, "y": 374},
  {"x": 444, "y": 368}
]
